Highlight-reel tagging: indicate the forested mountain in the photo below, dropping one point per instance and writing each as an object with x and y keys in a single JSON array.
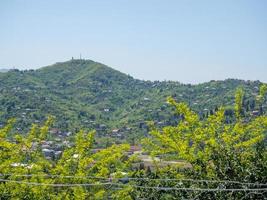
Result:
[{"x": 86, "y": 94}]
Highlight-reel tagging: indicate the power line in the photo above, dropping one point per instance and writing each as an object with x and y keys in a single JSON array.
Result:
[
  {"x": 130, "y": 178},
  {"x": 55, "y": 176},
  {"x": 202, "y": 189},
  {"x": 137, "y": 186},
  {"x": 202, "y": 180},
  {"x": 54, "y": 184}
]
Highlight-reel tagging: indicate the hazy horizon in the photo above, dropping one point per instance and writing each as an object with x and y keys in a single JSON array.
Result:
[{"x": 185, "y": 41}]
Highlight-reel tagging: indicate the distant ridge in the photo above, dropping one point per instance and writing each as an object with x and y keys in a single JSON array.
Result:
[{"x": 90, "y": 95}]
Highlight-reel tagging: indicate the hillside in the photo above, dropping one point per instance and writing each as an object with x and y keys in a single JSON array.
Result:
[{"x": 86, "y": 94}]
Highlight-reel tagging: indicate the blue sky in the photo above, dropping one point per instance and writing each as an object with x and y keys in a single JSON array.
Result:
[{"x": 190, "y": 41}]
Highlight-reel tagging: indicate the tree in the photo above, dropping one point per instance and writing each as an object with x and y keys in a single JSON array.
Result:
[
  {"x": 212, "y": 154},
  {"x": 239, "y": 96},
  {"x": 263, "y": 91},
  {"x": 213, "y": 149},
  {"x": 27, "y": 174}
]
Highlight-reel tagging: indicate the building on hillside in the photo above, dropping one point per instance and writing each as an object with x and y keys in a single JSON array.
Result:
[
  {"x": 134, "y": 149},
  {"x": 255, "y": 112}
]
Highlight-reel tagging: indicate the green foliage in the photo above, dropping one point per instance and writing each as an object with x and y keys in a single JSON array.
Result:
[
  {"x": 263, "y": 92},
  {"x": 208, "y": 149},
  {"x": 23, "y": 156},
  {"x": 77, "y": 92},
  {"x": 197, "y": 141},
  {"x": 238, "y": 102},
  {"x": 213, "y": 149},
  {"x": 226, "y": 143}
]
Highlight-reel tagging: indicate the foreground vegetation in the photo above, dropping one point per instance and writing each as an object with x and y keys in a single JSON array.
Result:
[{"x": 224, "y": 161}]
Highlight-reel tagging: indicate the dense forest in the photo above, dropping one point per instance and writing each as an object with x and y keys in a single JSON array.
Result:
[{"x": 83, "y": 94}]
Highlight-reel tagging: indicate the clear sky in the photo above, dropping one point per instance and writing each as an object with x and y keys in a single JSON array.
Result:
[{"x": 190, "y": 41}]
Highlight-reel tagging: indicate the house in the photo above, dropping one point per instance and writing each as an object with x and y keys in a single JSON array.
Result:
[
  {"x": 58, "y": 154},
  {"x": 45, "y": 146},
  {"x": 134, "y": 149},
  {"x": 115, "y": 131},
  {"x": 102, "y": 127},
  {"x": 160, "y": 123},
  {"x": 58, "y": 147},
  {"x": 18, "y": 165},
  {"x": 67, "y": 134},
  {"x": 22, "y": 165},
  {"x": 96, "y": 150},
  {"x": 255, "y": 113},
  {"x": 48, "y": 153},
  {"x": 54, "y": 131},
  {"x": 66, "y": 143},
  {"x": 128, "y": 128},
  {"x": 49, "y": 142}
]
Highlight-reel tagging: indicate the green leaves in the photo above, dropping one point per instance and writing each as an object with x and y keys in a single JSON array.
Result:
[
  {"x": 7, "y": 128},
  {"x": 84, "y": 142},
  {"x": 238, "y": 102},
  {"x": 205, "y": 144},
  {"x": 44, "y": 129},
  {"x": 203, "y": 149},
  {"x": 262, "y": 93},
  {"x": 78, "y": 93},
  {"x": 22, "y": 160}
]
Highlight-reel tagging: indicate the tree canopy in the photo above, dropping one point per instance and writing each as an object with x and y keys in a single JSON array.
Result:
[{"x": 217, "y": 160}]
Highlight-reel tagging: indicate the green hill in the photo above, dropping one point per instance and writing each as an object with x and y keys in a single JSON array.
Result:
[{"x": 86, "y": 94}]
